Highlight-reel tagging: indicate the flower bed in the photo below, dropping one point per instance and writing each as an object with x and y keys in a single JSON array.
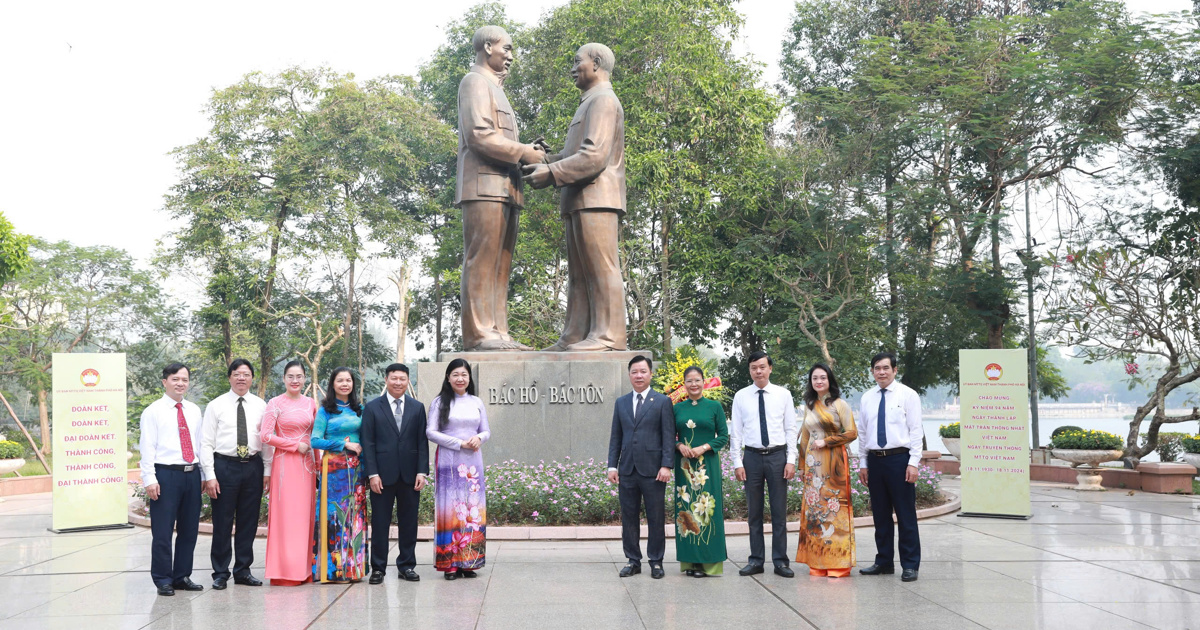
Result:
[
  {"x": 1086, "y": 441},
  {"x": 578, "y": 493}
]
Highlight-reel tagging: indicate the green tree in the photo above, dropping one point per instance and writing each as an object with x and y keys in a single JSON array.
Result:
[
  {"x": 70, "y": 298},
  {"x": 14, "y": 251}
]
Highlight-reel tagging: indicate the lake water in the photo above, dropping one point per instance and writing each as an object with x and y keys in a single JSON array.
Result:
[{"x": 1117, "y": 425}]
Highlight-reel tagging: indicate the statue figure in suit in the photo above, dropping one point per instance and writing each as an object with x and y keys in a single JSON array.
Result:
[
  {"x": 488, "y": 190},
  {"x": 590, "y": 176}
]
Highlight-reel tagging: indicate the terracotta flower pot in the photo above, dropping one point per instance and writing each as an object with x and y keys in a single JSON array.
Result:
[{"x": 1088, "y": 478}]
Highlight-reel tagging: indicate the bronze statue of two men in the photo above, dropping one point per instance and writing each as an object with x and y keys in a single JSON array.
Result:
[{"x": 589, "y": 174}]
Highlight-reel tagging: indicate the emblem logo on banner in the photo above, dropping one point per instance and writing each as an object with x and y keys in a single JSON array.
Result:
[
  {"x": 993, "y": 371},
  {"x": 89, "y": 378}
]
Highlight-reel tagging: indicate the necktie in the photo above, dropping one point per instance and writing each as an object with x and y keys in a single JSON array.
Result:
[
  {"x": 399, "y": 415},
  {"x": 762, "y": 419},
  {"x": 638, "y": 407},
  {"x": 881, "y": 421},
  {"x": 243, "y": 447},
  {"x": 185, "y": 437}
]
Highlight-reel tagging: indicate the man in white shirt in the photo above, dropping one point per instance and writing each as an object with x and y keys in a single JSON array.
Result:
[
  {"x": 236, "y": 469},
  {"x": 171, "y": 476},
  {"x": 765, "y": 427},
  {"x": 889, "y": 450}
]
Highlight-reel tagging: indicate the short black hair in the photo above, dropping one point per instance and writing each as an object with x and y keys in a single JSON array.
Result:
[
  {"x": 171, "y": 369},
  {"x": 693, "y": 368},
  {"x": 639, "y": 358},
  {"x": 759, "y": 354},
  {"x": 237, "y": 363},
  {"x": 395, "y": 367},
  {"x": 290, "y": 364},
  {"x": 890, "y": 356}
]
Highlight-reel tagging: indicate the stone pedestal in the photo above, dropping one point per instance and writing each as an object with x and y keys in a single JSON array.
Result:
[{"x": 541, "y": 406}]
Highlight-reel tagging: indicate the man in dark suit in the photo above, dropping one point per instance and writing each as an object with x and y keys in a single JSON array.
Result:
[
  {"x": 640, "y": 460},
  {"x": 396, "y": 455}
]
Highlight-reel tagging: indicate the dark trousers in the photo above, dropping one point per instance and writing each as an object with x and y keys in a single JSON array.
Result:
[
  {"x": 177, "y": 508},
  {"x": 890, "y": 493},
  {"x": 405, "y": 500},
  {"x": 634, "y": 491},
  {"x": 766, "y": 470},
  {"x": 240, "y": 499}
]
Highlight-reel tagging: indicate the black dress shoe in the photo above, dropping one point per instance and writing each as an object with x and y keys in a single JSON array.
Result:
[
  {"x": 629, "y": 569},
  {"x": 410, "y": 575},
  {"x": 166, "y": 590},
  {"x": 751, "y": 569},
  {"x": 699, "y": 574},
  {"x": 786, "y": 572},
  {"x": 656, "y": 570},
  {"x": 247, "y": 580},
  {"x": 690, "y": 573},
  {"x": 376, "y": 577},
  {"x": 450, "y": 575},
  {"x": 908, "y": 575},
  {"x": 875, "y": 569},
  {"x": 186, "y": 584},
  {"x": 467, "y": 573},
  {"x": 219, "y": 584}
]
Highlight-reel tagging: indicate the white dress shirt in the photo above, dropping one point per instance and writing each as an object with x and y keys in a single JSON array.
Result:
[
  {"x": 220, "y": 430},
  {"x": 633, "y": 404},
  {"x": 159, "y": 443},
  {"x": 782, "y": 426},
  {"x": 903, "y": 422}
]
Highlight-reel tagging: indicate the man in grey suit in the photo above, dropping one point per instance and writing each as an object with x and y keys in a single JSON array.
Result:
[
  {"x": 590, "y": 174},
  {"x": 489, "y": 191},
  {"x": 640, "y": 460}
]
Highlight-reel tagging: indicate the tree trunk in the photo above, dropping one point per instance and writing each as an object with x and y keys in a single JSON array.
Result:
[
  {"x": 665, "y": 278},
  {"x": 401, "y": 280},
  {"x": 349, "y": 314},
  {"x": 266, "y": 358},
  {"x": 999, "y": 308},
  {"x": 362, "y": 379},
  {"x": 44, "y": 420},
  {"x": 889, "y": 182},
  {"x": 437, "y": 314}
]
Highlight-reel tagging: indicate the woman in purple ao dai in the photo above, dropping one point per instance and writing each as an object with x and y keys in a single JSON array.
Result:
[{"x": 457, "y": 423}]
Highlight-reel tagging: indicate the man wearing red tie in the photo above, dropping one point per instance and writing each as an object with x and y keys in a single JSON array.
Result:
[{"x": 171, "y": 475}]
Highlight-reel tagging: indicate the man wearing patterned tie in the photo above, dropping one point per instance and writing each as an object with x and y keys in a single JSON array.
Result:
[
  {"x": 764, "y": 426},
  {"x": 171, "y": 475},
  {"x": 889, "y": 450},
  {"x": 641, "y": 460},
  {"x": 236, "y": 469}
]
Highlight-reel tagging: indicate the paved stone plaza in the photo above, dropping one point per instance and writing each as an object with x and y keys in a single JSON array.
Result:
[{"x": 1095, "y": 560}]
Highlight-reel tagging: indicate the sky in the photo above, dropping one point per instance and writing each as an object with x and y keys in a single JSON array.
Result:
[{"x": 97, "y": 94}]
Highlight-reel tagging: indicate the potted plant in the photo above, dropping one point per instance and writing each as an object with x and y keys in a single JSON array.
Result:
[
  {"x": 10, "y": 456},
  {"x": 1191, "y": 450},
  {"x": 1080, "y": 447},
  {"x": 950, "y": 434}
]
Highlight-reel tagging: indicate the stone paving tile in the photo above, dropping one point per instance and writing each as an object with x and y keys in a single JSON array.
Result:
[
  {"x": 1172, "y": 616},
  {"x": 1105, "y": 560},
  {"x": 1042, "y": 616}
]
